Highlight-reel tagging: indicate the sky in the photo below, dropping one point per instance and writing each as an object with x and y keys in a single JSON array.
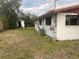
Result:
[{"x": 39, "y": 7}]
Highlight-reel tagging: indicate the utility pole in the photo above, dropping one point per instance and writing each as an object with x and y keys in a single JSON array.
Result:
[
  {"x": 54, "y": 5},
  {"x": 55, "y": 22}
]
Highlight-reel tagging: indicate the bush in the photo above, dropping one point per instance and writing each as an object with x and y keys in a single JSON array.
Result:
[
  {"x": 4, "y": 21},
  {"x": 12, "y": 24},
  {"x": 1, "y": 27}
]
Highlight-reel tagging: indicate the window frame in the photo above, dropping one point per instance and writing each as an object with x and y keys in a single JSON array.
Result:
[
  {"x": 69, "y": 23},
  {"x": 40, "y": 21},
  {"x": 48, "y": 21}
]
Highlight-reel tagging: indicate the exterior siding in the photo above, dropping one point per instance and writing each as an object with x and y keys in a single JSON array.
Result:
[
  {"x": 63, "y": 32},
  {"x": 22, "y": 23},
  {"x": 47, "y": 29},
  {"x": 60, "y": 31},
  {"x": 66, "y": 32}
]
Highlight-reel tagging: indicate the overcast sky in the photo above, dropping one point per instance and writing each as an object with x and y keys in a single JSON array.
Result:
[{"x": 39, "y": 7}]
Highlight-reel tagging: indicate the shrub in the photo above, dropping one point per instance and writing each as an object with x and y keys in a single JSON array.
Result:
[
  {"x": 4, "y": 22},
  {"x": 1, "y": 27}
]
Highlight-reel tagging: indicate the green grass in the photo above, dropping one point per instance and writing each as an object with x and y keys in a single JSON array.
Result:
[{"x": 28, "y": 44}]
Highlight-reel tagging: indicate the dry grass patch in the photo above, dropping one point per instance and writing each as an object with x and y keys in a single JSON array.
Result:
[{"x": 28, "y": 44}]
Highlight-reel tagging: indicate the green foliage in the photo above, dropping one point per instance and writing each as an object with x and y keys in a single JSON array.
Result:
[
  {"x": 29, "y": 19},
  {"x": 3, "y": 19},
  {"x": 29, "y": 22},
  {"x": 1, "y": 27},
  {"x": 10, "y": 9}
]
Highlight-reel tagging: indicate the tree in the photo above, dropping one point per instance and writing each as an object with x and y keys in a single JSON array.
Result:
[
  {"x": 29, "y": 18},
  {"x": 10, "y": 9}
]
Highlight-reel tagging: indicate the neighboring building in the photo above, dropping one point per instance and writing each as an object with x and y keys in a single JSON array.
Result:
[
  {"x": 61, "y": 24},
  {"x": 21, "y": 23}
]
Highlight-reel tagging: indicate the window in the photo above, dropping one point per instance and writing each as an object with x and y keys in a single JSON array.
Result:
[
  {"x": 72, "y": 20},
  {"x": 40, "y": 22},
  {"x": 48, "y": 21}
]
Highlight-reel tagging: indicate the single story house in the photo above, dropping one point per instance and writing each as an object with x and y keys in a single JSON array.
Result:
[
  {"x": 60, "y": 24},
  {"x": 20, "y": 23}
]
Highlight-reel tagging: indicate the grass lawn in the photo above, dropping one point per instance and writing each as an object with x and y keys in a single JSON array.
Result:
[{"x": 28, "y": 44}]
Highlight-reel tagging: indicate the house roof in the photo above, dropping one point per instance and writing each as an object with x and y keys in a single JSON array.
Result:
[{"x": 69, "y": 9}]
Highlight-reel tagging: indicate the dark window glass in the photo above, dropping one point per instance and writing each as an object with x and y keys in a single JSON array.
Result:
[
  {"x": 78, "y": 20},
  {"x": 72, "y": 20},
  {"x": 48, "y": 21},
  {"x": 40, "y": 22}
]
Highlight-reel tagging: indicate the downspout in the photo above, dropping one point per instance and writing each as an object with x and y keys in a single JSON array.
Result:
[
  {"x": 55, "y": 21},
  {"x": 54, "y": 27}
]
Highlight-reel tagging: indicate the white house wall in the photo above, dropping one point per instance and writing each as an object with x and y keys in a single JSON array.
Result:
[
  {"x": 47, "y": 29},
  {"x": 66, "y": 32},
  {"x": 42, "y": 25},
  {"x": 22, "y": 23},
  {"x": 37, "y": 25}
]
